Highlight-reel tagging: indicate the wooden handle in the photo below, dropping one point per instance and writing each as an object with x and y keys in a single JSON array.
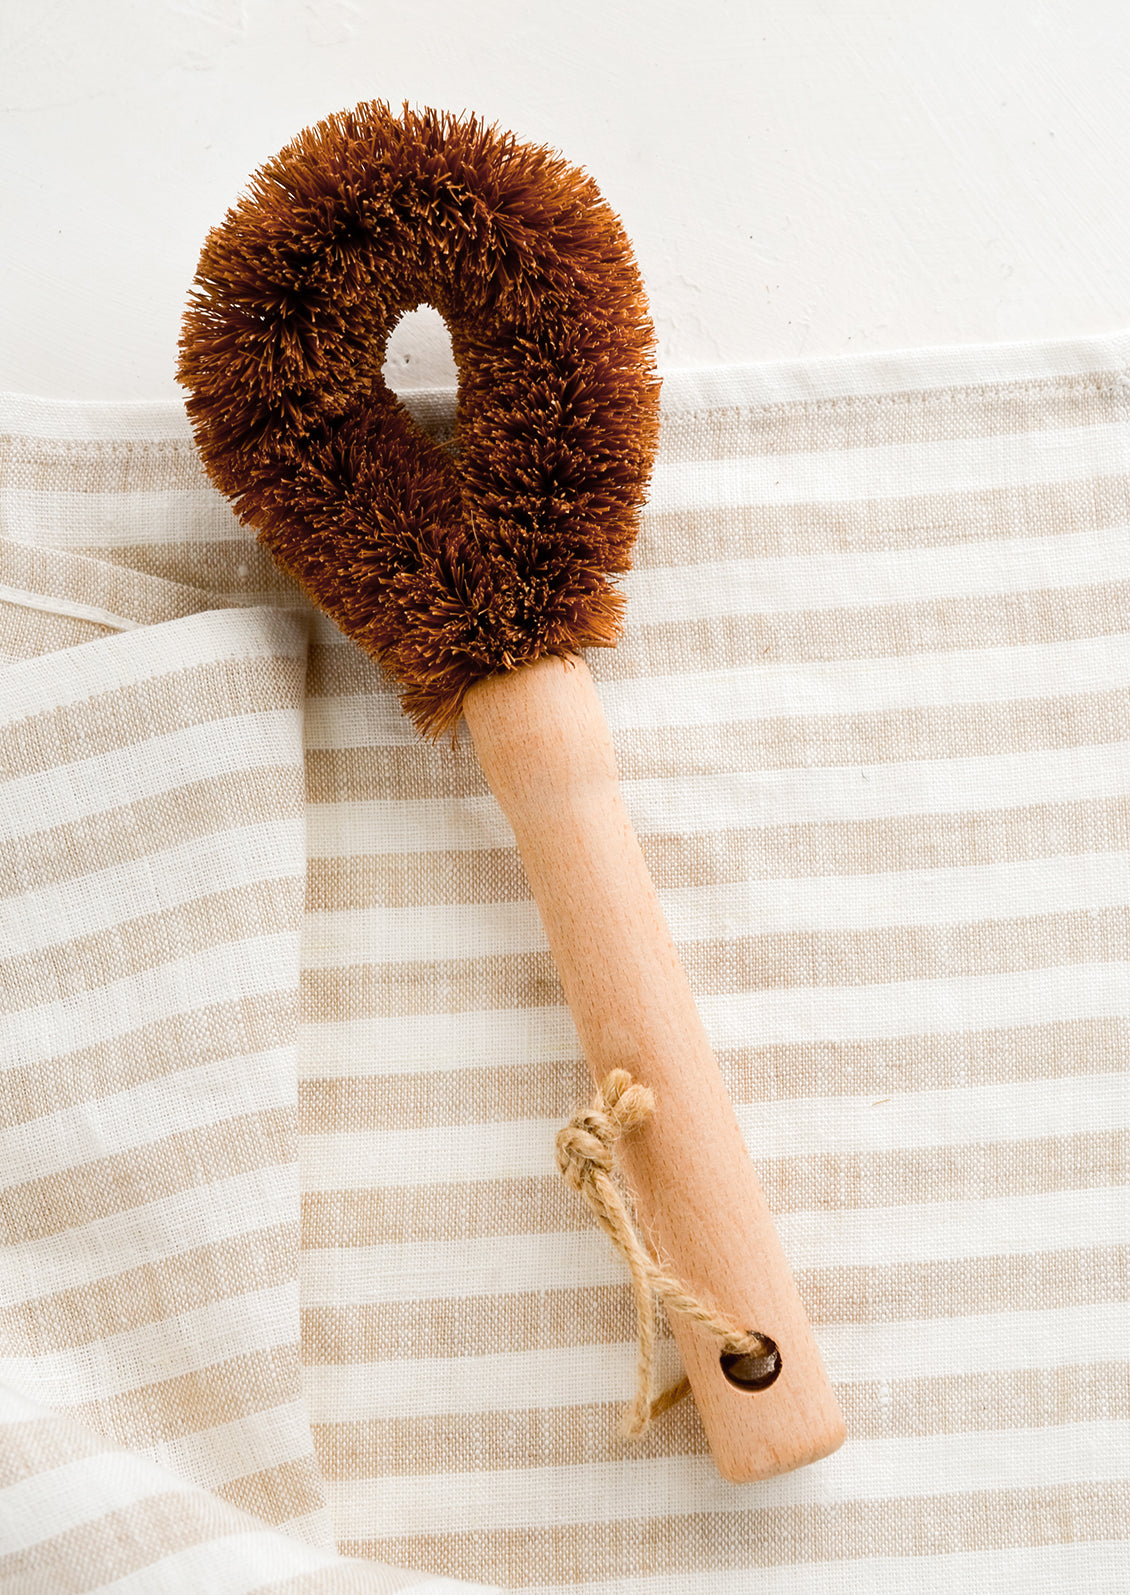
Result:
[{"x": 544, "y": 747}]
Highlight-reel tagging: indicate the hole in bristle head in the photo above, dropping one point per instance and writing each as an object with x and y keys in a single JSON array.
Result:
[
  {"x": 754, "y": 1370},
  {"x": 419, "y": 353}
]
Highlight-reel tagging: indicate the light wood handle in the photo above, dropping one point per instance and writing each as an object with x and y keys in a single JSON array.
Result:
[{"x": 544, "y": 747}]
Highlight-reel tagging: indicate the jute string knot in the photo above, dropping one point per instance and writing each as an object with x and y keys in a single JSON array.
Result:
[
  {"x": 587, "y": 1144},
  {"x": 586, "y": 1148}
]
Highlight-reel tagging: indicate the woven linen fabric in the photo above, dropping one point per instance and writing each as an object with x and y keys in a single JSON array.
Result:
[
  {"x": 872, "y": 716},
  {"x": 152, "y": 887}
]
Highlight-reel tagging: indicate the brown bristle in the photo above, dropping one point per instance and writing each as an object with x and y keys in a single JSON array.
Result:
[{"x": 446, "y": 565}]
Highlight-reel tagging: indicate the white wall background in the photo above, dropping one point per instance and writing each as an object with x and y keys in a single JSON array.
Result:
[{"x": 800, "y": 177}]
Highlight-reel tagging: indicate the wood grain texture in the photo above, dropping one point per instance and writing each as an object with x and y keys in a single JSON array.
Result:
[{"x": 543, "y": 743}]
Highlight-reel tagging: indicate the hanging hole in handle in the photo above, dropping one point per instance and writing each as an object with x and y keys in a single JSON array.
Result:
[{"x": 752, "y": 1370}]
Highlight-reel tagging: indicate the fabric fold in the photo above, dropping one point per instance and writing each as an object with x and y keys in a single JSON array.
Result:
[
  {"x": 154, "y": 871},
  {"x": 80, "y": 1513}
]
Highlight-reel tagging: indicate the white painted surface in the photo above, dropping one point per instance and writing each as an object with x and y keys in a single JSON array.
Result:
[{"x": 800, "y": 177}]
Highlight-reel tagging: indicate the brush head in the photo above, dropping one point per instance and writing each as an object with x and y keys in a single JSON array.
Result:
[{"x": 446, "y": 563}]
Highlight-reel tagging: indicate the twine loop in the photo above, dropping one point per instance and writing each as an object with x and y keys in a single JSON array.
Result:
[{"x": 586, "y": 1149}]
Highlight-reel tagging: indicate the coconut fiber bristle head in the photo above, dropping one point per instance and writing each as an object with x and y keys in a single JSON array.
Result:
[{"x": 446, "y": 563}]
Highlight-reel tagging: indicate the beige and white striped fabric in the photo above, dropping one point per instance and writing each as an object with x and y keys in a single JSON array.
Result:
[{"x": 285, "y": 1252}]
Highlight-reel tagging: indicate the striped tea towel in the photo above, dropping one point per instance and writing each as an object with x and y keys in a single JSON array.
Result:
[{"x": 287, "y": 1268}]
